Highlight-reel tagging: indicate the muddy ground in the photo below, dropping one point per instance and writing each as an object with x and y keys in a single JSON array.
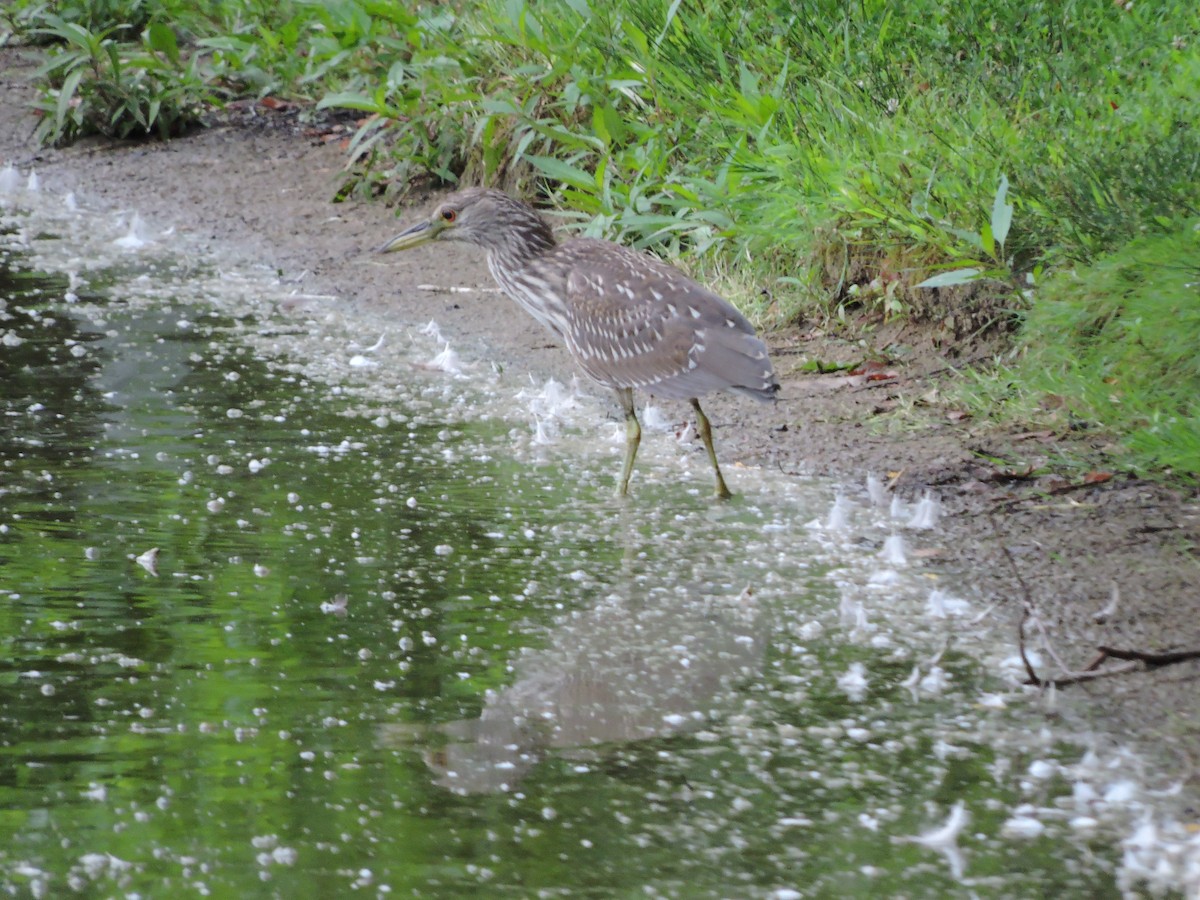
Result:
[{"x": 257, "y": 188}]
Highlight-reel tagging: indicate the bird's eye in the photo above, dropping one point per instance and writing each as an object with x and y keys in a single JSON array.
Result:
[{"x": 449, "y": 215}]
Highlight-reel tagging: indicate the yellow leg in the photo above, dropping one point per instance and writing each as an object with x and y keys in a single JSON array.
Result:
[
  {"x": 633, "y": 437},
  {"x": 706, "y": 435}
]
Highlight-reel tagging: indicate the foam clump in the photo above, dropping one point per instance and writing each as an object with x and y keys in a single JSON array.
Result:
[
  {"x": 877, "y": 491},
  {"x": 654, "y": 420},
  {"x": 941, "y": 604},
  {"x": 944, "y": 839},
  {"x": 927, "y": 513},
  {"x": 10, "y": 180},
  {"x": 431, "y": 329},
  {"x": 894, "y": 552},
  {"x": 446, "y": 361},
  {"x": 135, "y": 238},
  {"x": 839, "y": 515},
  {"x": 553, "y": 399},
  {"x": 854, "y": 682}
]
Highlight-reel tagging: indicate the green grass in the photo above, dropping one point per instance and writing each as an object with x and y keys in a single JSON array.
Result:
[
  {"x": 1113, "y": 347},
  {"x": 815, "y": 157}
]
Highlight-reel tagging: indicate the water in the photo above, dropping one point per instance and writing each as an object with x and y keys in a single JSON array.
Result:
[{"x": 294, "y": 622}]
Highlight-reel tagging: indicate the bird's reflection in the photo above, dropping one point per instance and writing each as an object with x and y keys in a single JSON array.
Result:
[{"x": 634, "y": 666}]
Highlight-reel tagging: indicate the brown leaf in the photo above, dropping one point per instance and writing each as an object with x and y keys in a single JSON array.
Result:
[
  {"x": 1097, "y": 477},
  {"x": 870, "y": 366}
]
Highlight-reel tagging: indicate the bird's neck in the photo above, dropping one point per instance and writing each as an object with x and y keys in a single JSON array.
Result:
[{"x": 529, "y": 239}]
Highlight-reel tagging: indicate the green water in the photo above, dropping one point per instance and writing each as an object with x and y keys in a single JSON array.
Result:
[{"x": 255, "y": 645}]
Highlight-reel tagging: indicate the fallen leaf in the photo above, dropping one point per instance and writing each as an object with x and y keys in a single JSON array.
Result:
[
  {"x": 871, "y": 365},
  {"x": 957, "y": 415},
  {"x": 1097, "y": 477}
]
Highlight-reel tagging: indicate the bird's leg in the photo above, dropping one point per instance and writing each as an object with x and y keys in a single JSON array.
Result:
[
  {"x": 633, "y": 437},
  {"x": 706, "y": 435}
]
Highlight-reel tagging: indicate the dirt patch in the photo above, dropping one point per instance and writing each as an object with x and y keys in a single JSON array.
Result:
[{"x": 261, "y": 193}]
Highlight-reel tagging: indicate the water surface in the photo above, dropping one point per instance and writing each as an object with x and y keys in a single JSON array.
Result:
[{"x": 286, "y": 625}]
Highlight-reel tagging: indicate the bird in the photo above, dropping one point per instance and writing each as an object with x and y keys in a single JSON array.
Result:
[{"x": 630, "y": 320}]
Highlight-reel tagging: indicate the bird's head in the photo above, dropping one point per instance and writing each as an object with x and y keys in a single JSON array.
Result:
[{"x": 477, "y": 216}]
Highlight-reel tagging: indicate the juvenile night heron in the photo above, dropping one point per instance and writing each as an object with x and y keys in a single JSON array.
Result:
[{"x": 629, "y": 319}]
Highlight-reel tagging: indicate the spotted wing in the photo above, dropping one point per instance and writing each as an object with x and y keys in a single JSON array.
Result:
[{"x": 637, "y": 322}]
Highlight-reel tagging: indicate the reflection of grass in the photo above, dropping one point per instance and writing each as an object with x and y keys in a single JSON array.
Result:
[{"x": 1114, "y": 347}]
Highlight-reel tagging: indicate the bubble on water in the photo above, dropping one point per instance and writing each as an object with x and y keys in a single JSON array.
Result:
[
  {"x": 810, "y": 631},
  {"x": 854, "y": 682},
  {"x": 216, "y": 505},
  {"x": 935, "y": 680},
  {"x": 1084, "y": 823},
  {"x": 1120, "y": 792},
  {"x": 1042, "y": 769},
  {"x": 1022, "y": 828},
  {"x": 358, "y": 361}
]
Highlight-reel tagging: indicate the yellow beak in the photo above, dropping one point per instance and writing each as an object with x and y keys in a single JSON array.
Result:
[{"x": 413, "y": 236}]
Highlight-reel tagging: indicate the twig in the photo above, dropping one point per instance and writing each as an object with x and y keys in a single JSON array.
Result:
[
  {"x": 1026, "y": 605},
  {"x": 1137, "y": 660},
  {"x": 1152, "y": 660}
]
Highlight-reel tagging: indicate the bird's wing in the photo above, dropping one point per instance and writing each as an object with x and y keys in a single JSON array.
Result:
[{"x": 638, "y": 322}]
